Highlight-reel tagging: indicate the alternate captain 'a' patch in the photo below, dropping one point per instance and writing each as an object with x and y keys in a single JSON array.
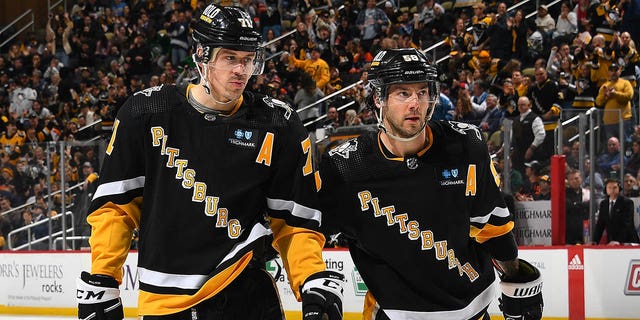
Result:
[
  {"x": 243, "y": 137},
  {"x": 345, "y": 148},
  {"x": 450, "y": 176}
]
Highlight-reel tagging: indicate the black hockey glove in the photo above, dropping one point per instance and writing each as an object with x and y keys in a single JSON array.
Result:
[
  {"x": 98, "y": 298},
  {"x": 522, "y": 294},
  {"x": 322, "y": 294}
]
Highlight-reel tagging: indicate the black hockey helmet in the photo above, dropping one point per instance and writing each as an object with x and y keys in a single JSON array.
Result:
[
  {"x": 402, "y": 66},
  {"x": 226, "y": 27}
]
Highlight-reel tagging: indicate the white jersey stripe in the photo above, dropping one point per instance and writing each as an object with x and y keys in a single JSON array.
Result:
[
  {"x": 475, "y": 307},
  {"x": 497, "y": 211},
  {"x": 161, "y": 279},
  {"x": 296, "y": 209},
  {"x": 195, "y": 281},
  {"x": 119, "y": 187},
  {"x": 257, "y": 232}
]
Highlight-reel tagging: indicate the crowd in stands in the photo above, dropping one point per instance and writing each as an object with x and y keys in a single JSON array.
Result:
[{"x": 498, "y": 64}]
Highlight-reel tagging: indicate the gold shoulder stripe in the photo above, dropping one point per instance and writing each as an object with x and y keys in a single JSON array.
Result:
[{"x": 490, "y": 231}]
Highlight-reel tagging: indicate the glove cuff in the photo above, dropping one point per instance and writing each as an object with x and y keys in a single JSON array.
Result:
[
  {"x": 89, "y": 294},
  {"x": 330, "y": 281},
  {"x": 522, "y": 290}
]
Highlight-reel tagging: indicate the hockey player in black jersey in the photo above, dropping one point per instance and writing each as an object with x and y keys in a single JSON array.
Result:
[
  {"x": 420, "y": 207},
  {"x": 195, "y": 169}
]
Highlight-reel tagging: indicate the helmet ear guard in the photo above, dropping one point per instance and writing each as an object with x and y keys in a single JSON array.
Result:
[
  {"x": 202, "y": 53},
  {"x": 377, "y": 96},
  {"x": 379, "y": 101},
  {"x": 259, "y": 61}
]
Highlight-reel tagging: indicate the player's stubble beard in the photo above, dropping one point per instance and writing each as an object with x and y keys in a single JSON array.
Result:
[
  {"x": 395, "y": 125},
  {"x": 231, "y": 95}
]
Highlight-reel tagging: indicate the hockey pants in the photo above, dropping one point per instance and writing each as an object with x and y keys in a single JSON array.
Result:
[{"x": 251, "y": 296}]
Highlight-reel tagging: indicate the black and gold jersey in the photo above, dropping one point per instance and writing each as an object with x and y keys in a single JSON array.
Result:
[
  {"x": 10, "y": 143},
  {"x": 418, "y": 226},
  {"x": 198, "y": 185}
]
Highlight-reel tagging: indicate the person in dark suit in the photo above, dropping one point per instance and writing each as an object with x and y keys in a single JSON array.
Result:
[
  {"x": 577, "y": 208},
  {"x": 616, "y": 217}
]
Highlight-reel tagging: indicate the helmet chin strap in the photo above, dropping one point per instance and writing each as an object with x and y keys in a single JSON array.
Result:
[{"x": 394, "y": 137}]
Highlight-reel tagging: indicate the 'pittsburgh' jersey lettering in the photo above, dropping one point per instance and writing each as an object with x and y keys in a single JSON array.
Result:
[
  {"x": 426, "y": 237},
  {"x": 188, "y": 181}
]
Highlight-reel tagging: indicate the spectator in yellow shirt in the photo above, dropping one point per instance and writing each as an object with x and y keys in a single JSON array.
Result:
[
  {"x": 614, "y": 95},
  {"x": 317, "y": 68},
  {"x": 12, "y": 137}
]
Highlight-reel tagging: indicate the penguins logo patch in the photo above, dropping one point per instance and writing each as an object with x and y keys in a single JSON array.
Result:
[
  {"x": 463, "y": 128},
  {"x": 148, "y": 91},
  {"x": 271, "y": 102},
  {"x": 344, "y": 149}
]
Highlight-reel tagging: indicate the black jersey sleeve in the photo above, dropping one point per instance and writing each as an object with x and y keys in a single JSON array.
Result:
[
  {"x": 291, "y": 193},
  {"x": 292, "y": 201},
  {"x": 332, "y": 186},
  {"x": 502, "y": 248},
  {"x": 490, "y": 217},
  {"x": 116, "y": 205}
]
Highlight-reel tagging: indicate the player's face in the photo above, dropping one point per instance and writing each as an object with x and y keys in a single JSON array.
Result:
[
  {"x": 405, "y": 111},
  {"x": 229, "y": 73}
]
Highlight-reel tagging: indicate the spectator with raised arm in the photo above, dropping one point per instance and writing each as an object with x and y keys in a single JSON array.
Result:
[
  {"x": 372, "y": 23},
  {"x": 315, "y": 67},
  {"x": 178, "y": 29},
  {"x": 58, "y": 33},
  {"x": 567, "y": 24}
]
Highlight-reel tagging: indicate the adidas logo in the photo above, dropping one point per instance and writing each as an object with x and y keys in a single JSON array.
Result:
[{"x": 576, "y": 263}]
